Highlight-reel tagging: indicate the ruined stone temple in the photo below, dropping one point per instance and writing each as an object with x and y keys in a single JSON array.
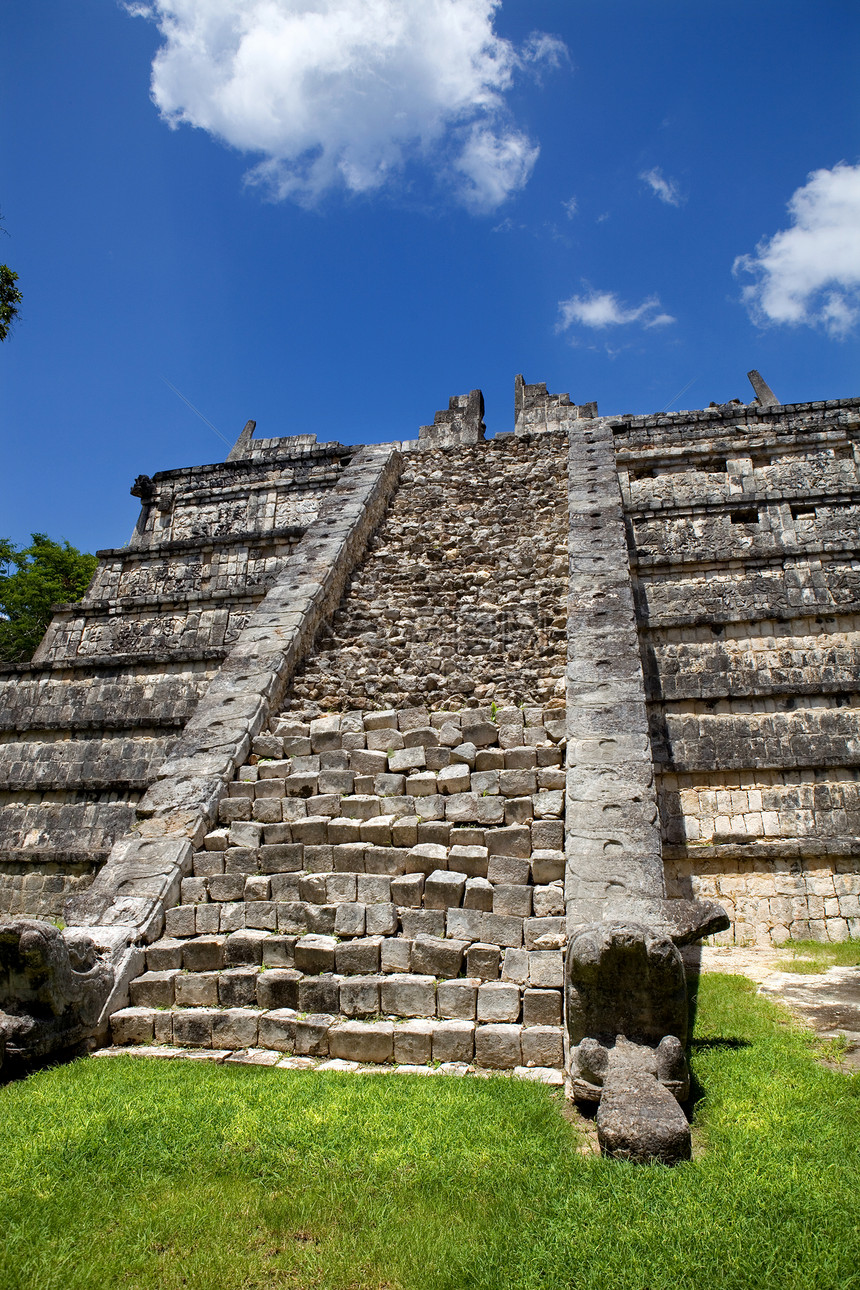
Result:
[{"x": 348, "y": 733}]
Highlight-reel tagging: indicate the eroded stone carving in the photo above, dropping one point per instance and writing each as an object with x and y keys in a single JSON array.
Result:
[
  {"x": 626, "y": 1008},
  {"x": 52, "y": 991}
]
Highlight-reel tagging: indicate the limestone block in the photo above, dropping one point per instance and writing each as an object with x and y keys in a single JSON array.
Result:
[
  {"x": 180, "y": 921},
  {"x": 512, "y": 898},
  {"x": 482, "y": 961},
  {"x": 196, "y": 990},
  {"x": 548, "y": 901},
  {"x": 279, "y": 951},
  {"x": 132, "y": 1026},
  {"x": 319, "y": 994},
  {"x": 464, "y": 754},
  {"x": 408, "y": 889},
  {"x": 427, "y": 857},
  {"x": 403, "y": 760},
  {"x": 235, "y": 1028},
  {"x": 413, "y": 1040},
  {"x": 193, "y": 1027},
  {"x": 277, "y": 1030},
  {"x": 485, "y": 783},
  {"x": 515, "y": 966},
  {"x": 321, "y": 919},
  {"x": 227, "y": 886},
  {"x": 384, "y": 740},
  {"x": 453, "y": 1041},
  {"x": 497, "y": 1046},
  {"x": 257, "y": 887},
  {"x": 489, "y": 809},
  {"x": 498, "y": 1001},
  {"x": 518, "y": 758},
  {"x": 278, "y": 988},
  {"x": 455, "y": 778},
  {"x": 362, "y": 1041},
  {"x": 542, "y": 1007},
  {"x": 381, "y": 919},
  {"x": 359, "y": 996},
  {"x": 409, "y": 995},
  {"x": 244, "y": 833},
  {"x": 349, "y": 920},
  {"x": 457, "y": 999},
  {"x": 241, "y": 860},
  {"x": 368, "y": 763},
  {"x": 154, "y": 989},
  {"x": 503, "y": 929},
  {"x": 478, "y": 894},
  {"x": 163, "y": 954},
  {"x": 464, "y": 924},
  {"x": 543, "y": 1046},
  {"x": 443, "y": 889},
  {"x": 512, "y": 841},
  {"x": 361, "y": 955},
  {"x": 193, "y": 890},
  {"x": 421, "y": 922},
  {"x": 437, "y": 956},
  {"x": 261, "y": 915},
  {"x": 548, "y": 835},
  {"x": 479, "y": 732},
  {"x": 517, "y": 783},
  {"x": 315, "y": 953},
  {"x": 463, "y": 807},
  {"x": 508, "y": 870},
  {"x": 546, "y": 969},
  {"x": 237, "y": 987},
  {"x": 396, "y": 955},
  {"x": 544, "y": 933},
  {"x": 312, "y": 830}
]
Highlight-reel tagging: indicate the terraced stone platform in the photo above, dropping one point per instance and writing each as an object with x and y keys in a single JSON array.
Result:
[{"x": 383, "y": 886}]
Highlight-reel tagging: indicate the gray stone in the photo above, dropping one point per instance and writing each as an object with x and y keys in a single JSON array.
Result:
[
  {"x": 362, "y": 1041},
  {"x": 498, "y": 1046},
  {"x": 437, "y": 956}
]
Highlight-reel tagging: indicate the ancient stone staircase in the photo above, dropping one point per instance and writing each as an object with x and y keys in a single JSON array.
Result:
[{"x": 383, "y": 887}]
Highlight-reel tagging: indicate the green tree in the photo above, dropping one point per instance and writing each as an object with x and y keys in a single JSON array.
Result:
[
  {"x": 32, "y": 579},
  {"x": 10, "y": 299}
]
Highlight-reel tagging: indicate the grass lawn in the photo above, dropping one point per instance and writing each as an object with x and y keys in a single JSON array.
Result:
[
  {"x": 818, "y": 956},
  {"x": 135, "y": 1173}
]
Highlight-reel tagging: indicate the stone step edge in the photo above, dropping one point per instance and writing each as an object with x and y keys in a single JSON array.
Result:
[
  {"x": 271, "y": 1058},
  {"x": 496, "y": 1045}
]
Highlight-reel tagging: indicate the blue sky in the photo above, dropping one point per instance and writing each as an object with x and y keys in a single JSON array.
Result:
[{"x": 361, "y": 208}]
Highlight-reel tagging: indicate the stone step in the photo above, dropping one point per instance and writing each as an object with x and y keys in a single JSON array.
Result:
[
  {"x": 414, "y": 1041},
  {"x": 395, "y": 994},
  {"x": 295, "y": 918},
  {"x": 315, "y": 954}
]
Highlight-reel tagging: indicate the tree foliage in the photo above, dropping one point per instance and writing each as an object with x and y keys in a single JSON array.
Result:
[
  {"x": 10, "y": 299},
  {"x": 32, "y": 579}
]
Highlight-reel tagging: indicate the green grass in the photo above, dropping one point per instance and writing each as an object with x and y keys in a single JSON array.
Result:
[
  {"x": 818, "y": 956},
  {"x": 144, "y": 1174}
]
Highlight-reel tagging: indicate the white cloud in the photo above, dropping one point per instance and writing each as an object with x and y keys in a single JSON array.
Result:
[
  {"x": 570, "y": 207},
  {"x": 600, "y": 309},
  {"x": 343, "y": 93},
  {"x": 666, "y": 189},
  {"x": 810, "y": 273}
]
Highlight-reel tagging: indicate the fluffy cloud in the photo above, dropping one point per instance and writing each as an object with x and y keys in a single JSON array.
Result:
[
  {"x": 342, "y": 93},
  {"x": 810, "y": 273},
  {"x": 601, "y": 309},
  {"x": 665, "y": 189}
]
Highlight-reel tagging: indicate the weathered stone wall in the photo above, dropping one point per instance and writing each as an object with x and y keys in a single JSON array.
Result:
[
  {"x": 741, "y": 561},
  {"x": 743, "y": 532},
  {"x": 462, "y": 597},
  {"x": 86, "y": 725}
]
